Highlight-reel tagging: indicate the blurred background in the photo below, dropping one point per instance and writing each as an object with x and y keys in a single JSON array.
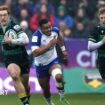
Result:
[{"x": 75, "y": 19}]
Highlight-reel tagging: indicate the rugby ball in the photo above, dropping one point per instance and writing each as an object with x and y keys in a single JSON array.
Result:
[{"x": 11, "y": 34}]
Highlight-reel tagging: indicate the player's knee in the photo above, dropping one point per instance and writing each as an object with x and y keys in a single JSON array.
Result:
[
  {"x": 57, "y": 75},
  {"x": 14, "y": 76},
  {"x": 14, "y": 71}
]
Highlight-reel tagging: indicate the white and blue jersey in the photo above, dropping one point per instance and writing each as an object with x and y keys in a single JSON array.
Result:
[
  {"x": 40, "y": 40},
  {"x": 46, "y": 60}
]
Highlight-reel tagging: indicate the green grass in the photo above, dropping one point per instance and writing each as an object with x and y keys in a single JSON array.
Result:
[{"x": 75, "y": 99}]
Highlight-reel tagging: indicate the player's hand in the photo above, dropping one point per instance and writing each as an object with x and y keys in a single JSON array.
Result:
[
  {"x": 7, "y": 39},
  {"x": 65, "y": 54},
  {"x": 65, "y": 57},
  {"x": 53, "y": 42}
]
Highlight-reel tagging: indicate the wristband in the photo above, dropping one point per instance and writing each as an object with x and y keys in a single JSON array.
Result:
[{"x": 63, "y": 48}]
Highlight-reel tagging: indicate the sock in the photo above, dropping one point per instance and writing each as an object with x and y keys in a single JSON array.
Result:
[
  {"x": 60, "y": 87},
  {"x": 49, "y": 101},
  {"x": 28, "y": 98},
  {"x": 23, "y": 97},
  {"x": 61, "y": 94},
  {"x": 28, "y": 93}
]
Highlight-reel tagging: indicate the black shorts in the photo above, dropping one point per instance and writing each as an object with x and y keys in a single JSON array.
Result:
[
  {"x": 22, "y": 61},
  {"x": 101, "y": 66}
]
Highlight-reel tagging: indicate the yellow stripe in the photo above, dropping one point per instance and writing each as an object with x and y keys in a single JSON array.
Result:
[{"x": 22, "y": 95}]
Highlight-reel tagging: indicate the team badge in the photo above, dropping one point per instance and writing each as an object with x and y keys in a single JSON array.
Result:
[{"x": 93, "y": 80}]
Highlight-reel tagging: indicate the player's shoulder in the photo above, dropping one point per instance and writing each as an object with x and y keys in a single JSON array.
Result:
[
  {"x": 98, "y": 26},
  {"x": 95, "y": 29},
  {"x": 36, "y": 36},
  {"x": 55, "y": 29},
  {"x": 37, "y": 33},
  {"x": 15, "y": 26}
]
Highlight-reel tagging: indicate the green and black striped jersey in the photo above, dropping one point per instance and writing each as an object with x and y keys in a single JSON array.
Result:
[
  {"x": 11, "y": 49},
  {"x": 97, "y": 35}
]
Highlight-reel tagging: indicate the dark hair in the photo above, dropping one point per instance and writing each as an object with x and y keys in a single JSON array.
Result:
[
  {"x": 4, "y": 7},
  {"x": 42, "y": 21}
]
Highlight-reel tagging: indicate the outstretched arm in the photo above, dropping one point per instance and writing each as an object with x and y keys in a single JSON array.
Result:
[{"x": 94, "y": 46}]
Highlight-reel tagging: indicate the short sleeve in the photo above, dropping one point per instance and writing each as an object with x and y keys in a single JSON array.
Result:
[
  {"x": 17, "y": 29},
  {"x": 36, "y": 39},
  {"x": 55, "y": 29}
]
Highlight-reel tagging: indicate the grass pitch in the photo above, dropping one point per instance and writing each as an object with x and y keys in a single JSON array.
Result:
[{"x": 74, "y": 99}]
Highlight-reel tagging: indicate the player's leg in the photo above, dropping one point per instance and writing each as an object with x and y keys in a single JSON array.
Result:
[
  {"x": 15, "y": 71},
  {"x": 25, "y": 70},
  {"x": 101, "y": 67},
  {"x": 56, "y": 72},
  {"x": 44, "y": 83},
  {"x": 25, "y": 81}
]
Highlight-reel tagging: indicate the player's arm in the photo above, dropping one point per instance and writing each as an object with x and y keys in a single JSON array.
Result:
[
  {"x": 21, "y": 40},
  {"x": 94, "y": 46},
  {"x": 37, "y": 50},
  {"x": 62, "y": 45},
  {"x": 22, "y": 37}
]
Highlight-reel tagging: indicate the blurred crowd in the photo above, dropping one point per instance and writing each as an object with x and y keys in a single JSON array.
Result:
[{"x": 74, "y": 18}]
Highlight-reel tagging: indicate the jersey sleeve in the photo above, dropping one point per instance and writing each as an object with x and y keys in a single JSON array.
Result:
[
  {"x": 17, "y": 29},
  {"x": 36, "y": 40},
  {"x": 93, "y": 34},
  {"x": 55, "y": 29}
]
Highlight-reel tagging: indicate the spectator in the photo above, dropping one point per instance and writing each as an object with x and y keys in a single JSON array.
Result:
[
  {"x": 89, "y": 7},
  {"x": 62, "y": 16},
  {"x": 42, "y": 13},
  {"x": 64, "y": 31},
  {"x": 23, "y": 4},
  {"x": 25, "y": 27},
  {"x": 24, "y": 15},
  {"x": 81, "y": 16},
  {"x": 63, "y": 20},
  {"x": 100, "y": 3},
  {"x": 10, "y": 4},
  {"x": 69, "y": 6},
  {"x": 80, "y": 31},
  {"x": 81, "y": 25},
  {"x": 49, "y": 6}
]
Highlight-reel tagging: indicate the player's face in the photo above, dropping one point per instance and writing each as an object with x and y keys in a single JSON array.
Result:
[
  {"x": 102, "y": 19},
  {"x": 46, "y": 29},
  {"x": 4, "y": 17}
]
